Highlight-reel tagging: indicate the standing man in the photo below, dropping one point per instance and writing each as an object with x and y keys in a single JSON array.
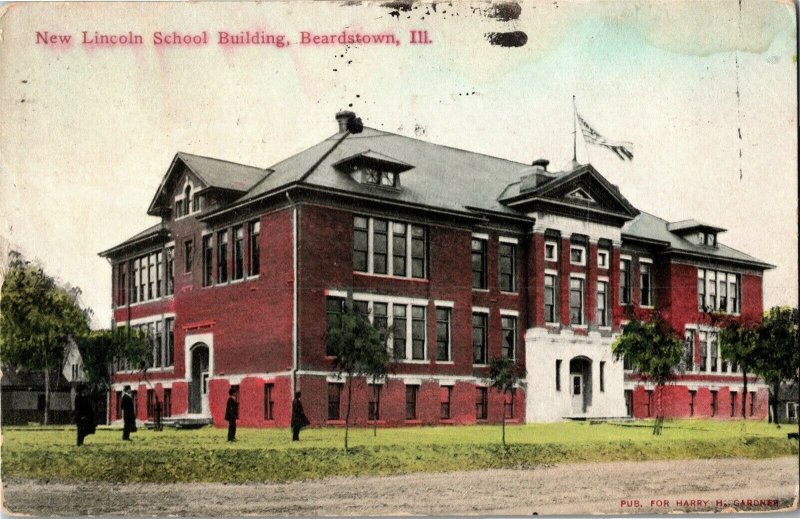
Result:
[
  {"x": 299, "y": 419},
  {"x": 232, "y": 413},
  {"x": 128, "y": 414},
  {"x": 84, "y": 414}
]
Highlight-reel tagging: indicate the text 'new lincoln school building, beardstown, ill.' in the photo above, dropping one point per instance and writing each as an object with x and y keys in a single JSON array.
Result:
[{"x": 463, "y": 256}]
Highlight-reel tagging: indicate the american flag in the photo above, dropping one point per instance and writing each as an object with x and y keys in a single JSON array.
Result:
[{"x": 624, "y": 150}]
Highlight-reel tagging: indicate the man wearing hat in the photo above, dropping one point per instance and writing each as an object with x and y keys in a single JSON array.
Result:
[
  {"x": 84, "y": 414},
  {"x": 128, "y": 414}
]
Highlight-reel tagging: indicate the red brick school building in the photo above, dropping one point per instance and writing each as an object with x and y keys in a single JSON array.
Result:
[{"x": 465, "y": 257}]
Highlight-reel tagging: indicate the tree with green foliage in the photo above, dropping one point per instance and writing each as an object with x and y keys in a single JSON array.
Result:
[
  {"x": 360, "y": 351},
  {"x": 738, "y": 343},
  {"x": 37, "y": 319},
  {"x": 654, "y": 351},
  {"x": 101, "y": 349},
  {"x": 506, "y": 376},
  {"x": 777, "y": 354}
]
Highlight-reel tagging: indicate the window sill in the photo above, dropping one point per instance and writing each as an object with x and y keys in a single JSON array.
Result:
[
  {"x": 445, "y": 362},
  {"x": 334, "y": 422},
  {"x": 413, "y": 361},
  {"x": 512, "y": 293},
  {"x": 604, "y": 328},
  {"x": 415, "y": 421},
  {"x": 480, "y": 365},
  {"x": 390, "y": 276},
  {"x": 647, "y": 307},
  {"x": 579, "y": 326},
  {"x": 486, "y": 290}
]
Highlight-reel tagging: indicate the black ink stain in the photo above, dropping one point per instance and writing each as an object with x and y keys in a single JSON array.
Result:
[
  {"x": 399, "y": 5},
  {"x": 507, "y": 39},
  {"x": 505, "y": 12}
]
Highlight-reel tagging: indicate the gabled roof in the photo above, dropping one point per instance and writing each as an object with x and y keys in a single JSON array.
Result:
[
  {"x": 649, "y": 228},
  {"x": 155, "y": 233},
  {"x": 688, "y": 225},
  {"x": 212, "y": 173}
]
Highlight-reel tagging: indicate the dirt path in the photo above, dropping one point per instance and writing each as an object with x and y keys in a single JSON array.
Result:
[{"x": 561, "y": 489}]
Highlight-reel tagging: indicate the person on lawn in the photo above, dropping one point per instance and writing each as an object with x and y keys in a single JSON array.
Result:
[
  {"x": 232, "y": 414},
  {"x": 128, "y": 414},
  {"x": 299, "y": 419},
  {"x": 84, "y": 414}
]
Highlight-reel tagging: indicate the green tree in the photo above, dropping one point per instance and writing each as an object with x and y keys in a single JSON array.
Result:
[
  {"x": 738, "y": 343},
  {"x": 505, "y": 376},
  {"x": 37, "y": 319},
  {"x": 777, "y": 354},
  {"x": 654, "y": 351},
  {"x": 101, "y": 349},
  {"x": 360, "y": 351}
]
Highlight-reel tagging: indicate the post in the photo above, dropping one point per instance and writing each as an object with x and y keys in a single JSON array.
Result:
[{"x": 574, "y": 131}]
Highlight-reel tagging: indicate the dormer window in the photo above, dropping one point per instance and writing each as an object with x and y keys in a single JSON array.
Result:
[
  {"x": 711, "y": 239},
  {"x": 379, "y": 177},
  {"x": 375, "y": 169}
]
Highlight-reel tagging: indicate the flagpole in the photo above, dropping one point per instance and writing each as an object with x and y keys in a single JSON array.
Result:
[{"x": 574, "y": 131}]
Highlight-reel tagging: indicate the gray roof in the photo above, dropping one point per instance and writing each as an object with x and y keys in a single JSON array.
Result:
[
  {"x": 652, "y": 228},
  {"x": 685, "y": 225},
  {"x": 150, "y": 232},
  {"x": 221, "y": 173}
]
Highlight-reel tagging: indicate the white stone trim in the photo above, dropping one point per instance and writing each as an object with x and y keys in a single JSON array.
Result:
[
  {"x": 551, "y": 272},
  {"x": 148, "y": 319},
  {"x": 568, "y": 226},
  {"x": 443, "y": 304},
  {"x": 480, "y": 236},
  {"x": 625, "y": 257},
  {"x": 646, "y": 260},
  {"x": 582, "y": 248},
  {"x": 578, "y": 275},
  {"x": 604, "y": 279},
  {"x": 509, "y": 313},
  {"x": 506, "y": 239},
  {"x": 480, "y": 310}
]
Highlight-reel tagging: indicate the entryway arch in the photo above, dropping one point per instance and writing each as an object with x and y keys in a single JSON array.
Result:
[{"x": 580, "y": 384}]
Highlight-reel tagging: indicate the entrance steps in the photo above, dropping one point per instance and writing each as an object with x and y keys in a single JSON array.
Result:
[
  {"x": 185, "y": 421},
  {"x": 599, "y": 419}
]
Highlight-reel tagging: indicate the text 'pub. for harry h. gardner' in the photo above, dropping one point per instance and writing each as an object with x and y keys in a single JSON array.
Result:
[{"x": 463, "y": 256}]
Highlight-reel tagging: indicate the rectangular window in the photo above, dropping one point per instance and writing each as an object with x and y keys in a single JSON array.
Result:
[
  {"x": 703, "y": 337},
  {"x": 714, "y": 347},
  {"x": 418, "y": 332},
  {"x": 713, "y": 403},
  {"x": 151, "y": 274},
  {"x": 360, "y": 243},
  {"x": 481, "y": 403},
  {"x": 645, "y": 284},
  {"x": 178, "y": 208},
  {"x": 479, "y": 352},
  {"x": 692, "y": 394},
  {"x": 752, "y": 402},
  {"x": 575, "y": 301},
  {"x": 733, "y": 403},
  {"x": 418, "y": 240},
  {"x": 333, "y": 314},
  {"x": 508, "y": 405},
  {"x": 238, "y": 252},
  {"x": 479, "y": 263},
  {"x": 550, "y": 251},
  {"x": 399, "y": 249},
  {"x": 255, "y": 248},
  {"x": 134, "y": 290},
  {"x": 399, "y": 314},
  {"x": 602, "y": 376},
  {"x": 411, "y": 402},
  {"x": 712, "y": 290},
  {"x": 509, "y": 336},
  {"x": 334, "y": 400},
  {"x": 361, "y": 308},
  {"x": 577, "y": 255},
  {"x": 380, "y": 246},
  {"x": 558, "y": 374},
  {"x": 649, "y": 404},
  {"x": 602, "y": 303},
  {"x": 443, "y": 334},
  {"x": 733, "y": 292},
  {"x": 625, "y": 282},
  {"x": 196, "y": 203},
  {"x": 159, "y": 265},
  {"x": 166, "y": 409},
  {"x": 722, "y": 279},
  {"x": 549, "y": 299},
  {"x": 269, "y": 403},
  {"x": 508, "y": 253},
  {"x": 602, "y": 259},
  {"x": 188, "y": 255},
  {"x": 142, "y": 278},
  {"x": 170, "y": 288},
  {"x": 169, "y": 339},
  {"x": 151, "y": 404},
  {"x": 701, "y": 290},
  {"x": 446, "y": 395},
  {"x": 688, "y": 351},
  {"x": 628, "y": 402},
  {"x": 158, "y": 341},
  {"x": 121, "y": 286},
  {"x": 374, "y": 405},
  {"x": 380, "y": 315},
  {"x": 208, "y": 259},
  {"x": 222, "y": 256}
]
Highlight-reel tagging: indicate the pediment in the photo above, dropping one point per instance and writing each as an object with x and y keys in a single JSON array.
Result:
[
  {"x": 178, "y": 177},
  {"x": 586, "y": 188}
]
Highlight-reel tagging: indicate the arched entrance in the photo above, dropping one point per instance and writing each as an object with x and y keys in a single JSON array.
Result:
[
  {"x": 198, "y": 385},
  {"x": 580, "y": 384}
]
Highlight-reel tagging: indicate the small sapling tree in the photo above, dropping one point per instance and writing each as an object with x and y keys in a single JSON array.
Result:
[{"x": 505, "y": 376}]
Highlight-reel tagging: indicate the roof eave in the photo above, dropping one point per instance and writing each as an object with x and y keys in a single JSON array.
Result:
[
  {"x": 739, "y": 261},
  {"x": 162, "y": 233}
]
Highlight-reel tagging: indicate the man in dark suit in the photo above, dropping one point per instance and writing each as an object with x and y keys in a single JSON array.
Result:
[
  {"x": 84, "y": 414},
  {"x": 232, "y": 413},
  {"x": 128, "y": 414},
  {"x": 299, "y": 419}
]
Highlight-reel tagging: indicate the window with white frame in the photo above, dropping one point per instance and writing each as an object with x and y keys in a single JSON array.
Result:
[
  {"x": 479, "y": 277},
  {"x": 646, "y": 284},
  {"x": 443, "y": 316},
  {"x": 508, "y": 267},
  {"x": 703, "y": 339},
  {"x": 509, "y": 323},
  {"x": 577, "y": 255},
  {"x": 625, "y": 281},
  {"x": 389, "y": 248},
  {"x": 550, "y": 315},
  {"x": 688, "y": 351},
  {"x": 479, "y": 338},
  {"x": 188, "y": 202},
  {"x": 602, "y": 304},
  {"x": 550, "y": 251},
  {"x": 147, "y": 277},
  {"x": 160, "y": 339},
  {"x": 718, "y": 291},
  {"x": 602, "y": 259},
  {"x": 575, "y": 301}
]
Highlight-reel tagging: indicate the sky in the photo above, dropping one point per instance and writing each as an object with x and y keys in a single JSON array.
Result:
[{"x": 88, "y": 132}]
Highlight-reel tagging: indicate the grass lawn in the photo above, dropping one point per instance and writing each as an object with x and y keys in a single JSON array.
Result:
[{"x": 269, "y": 455}]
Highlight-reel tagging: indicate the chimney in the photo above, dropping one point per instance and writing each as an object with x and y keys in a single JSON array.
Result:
[
  {"x": 541, "y": 163},
  {"x": 343, "y": 118},
  {"x": 535, "y": 175}
]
